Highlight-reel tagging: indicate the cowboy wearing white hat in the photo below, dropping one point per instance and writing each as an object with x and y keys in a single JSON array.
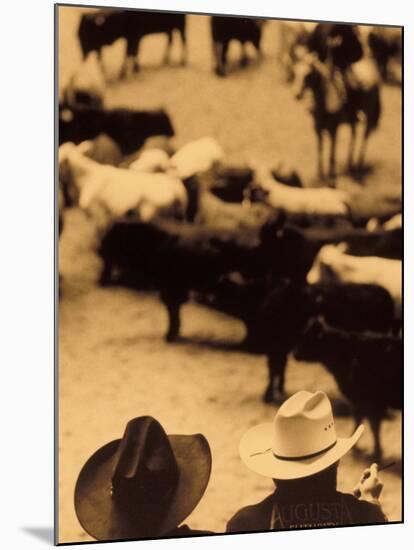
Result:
[{"x": 300, "y": 451}]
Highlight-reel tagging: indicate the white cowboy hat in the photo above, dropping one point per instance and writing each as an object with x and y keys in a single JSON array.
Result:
[{"x": 300, "y": 442}]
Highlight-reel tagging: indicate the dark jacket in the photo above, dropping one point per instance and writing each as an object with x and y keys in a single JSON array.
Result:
[
  {"x": 347, "y": 51},
  {"x": 278, "y": 512}
]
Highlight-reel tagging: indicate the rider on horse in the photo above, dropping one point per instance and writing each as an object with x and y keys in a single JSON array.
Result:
[{"x": 338, "y": 47}]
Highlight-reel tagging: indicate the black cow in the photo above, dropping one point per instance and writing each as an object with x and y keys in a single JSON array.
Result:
[
  {"x": 128, "y": 128},
  {"x": 368, "y": 369},
  {"x": 385, "y": 243},
  {"x": 231, "y": 183},
  {"x": 287, "y": 175},
  {"x": 179, "y": 257},
  {"x": 235, "y": 183},
  {"x": 276, "y": 317},
  {"x": 105, "y": 26},
  {"x": 226, "y": 29},
  {"x": 300, "y": 245}
]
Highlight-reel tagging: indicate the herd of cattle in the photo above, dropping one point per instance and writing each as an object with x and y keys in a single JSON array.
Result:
[
  {"x": 103, "y": 27},
  {"x": 297, "y": 265}
]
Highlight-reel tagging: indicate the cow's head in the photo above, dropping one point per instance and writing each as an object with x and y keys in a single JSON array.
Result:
[
  {"x": 326, "y": 263},
  {"x": 309, "y": 345},
  {"x": 161, "y": 124},
  {"x": 67, "y": 183}
]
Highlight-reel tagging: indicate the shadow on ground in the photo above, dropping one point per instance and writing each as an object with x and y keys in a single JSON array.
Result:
[{"x": 42, "y": 533}]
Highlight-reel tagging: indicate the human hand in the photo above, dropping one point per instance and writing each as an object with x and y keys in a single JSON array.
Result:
[{"x": 369, "y": 486}]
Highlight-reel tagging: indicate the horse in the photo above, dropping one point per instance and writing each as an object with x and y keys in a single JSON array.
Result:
[{"x": 340, "y": 98}]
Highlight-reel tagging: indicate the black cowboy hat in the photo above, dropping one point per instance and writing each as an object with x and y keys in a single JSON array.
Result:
[{"x": 143, "y": 485}]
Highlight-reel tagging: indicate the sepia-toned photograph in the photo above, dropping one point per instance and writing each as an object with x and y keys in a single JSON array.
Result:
[{"x": 229, "y": 259}]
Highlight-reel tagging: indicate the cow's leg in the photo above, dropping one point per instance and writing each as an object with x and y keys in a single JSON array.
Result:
[
  {"x": 101, "y": 63},
  {"x": 173, "y": 301},
  {"x": 256, "y": 44},
  {"x": 167, "y": 54},
  {"x": 332, "y": 156},
  {"x": 106, "y": 274},
  {"x": 130, "y": 63},
  {"x": 276, "y": 363},
  {"x": 358, "y": 416},
  {"x": 223, "y": 58},
  {"x": 126, "y": 68},
  {"x": 251, "y": 340},
  {"x": 244, "y": 60},
  {"x": 375, "y": 423},
  {"x": 218, "y": 58},
  {"x": 184, "y": 46}
]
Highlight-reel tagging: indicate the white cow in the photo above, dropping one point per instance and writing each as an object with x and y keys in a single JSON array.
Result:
[
  {"x": 151, "y": 161},
  {"x": 295, "y": 200},
  {"x": 119, "y": 190},
  {"x": 332, "y": 264},
  {"x": 393, "y": 223},
  {"x": 197, "y": 156}
]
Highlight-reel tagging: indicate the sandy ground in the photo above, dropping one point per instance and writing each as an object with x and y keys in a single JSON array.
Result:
[{"x": 113, "y": 362}]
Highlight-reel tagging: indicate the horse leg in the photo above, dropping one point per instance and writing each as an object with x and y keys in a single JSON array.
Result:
[
  {"x": 351, "y": 149},
  {"x": 363, "y": 149},
  {"x": 320, "y": 151},
  {"x": 332, "y": 157},
  {"x": 135, "y": 54}
]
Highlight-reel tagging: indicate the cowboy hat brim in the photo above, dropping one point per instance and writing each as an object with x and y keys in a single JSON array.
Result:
[
  {"x": 255, "y": 451},
  {"x": 102, "y": 519}
]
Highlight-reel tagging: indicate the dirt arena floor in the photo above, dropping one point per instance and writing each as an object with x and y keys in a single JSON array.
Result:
[{"x": 113, "y": 362}]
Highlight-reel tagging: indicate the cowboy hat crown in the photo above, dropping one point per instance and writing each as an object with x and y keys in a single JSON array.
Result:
[
  {"x": 145, "y": 471},
  {"x": 308, "y": 415}
]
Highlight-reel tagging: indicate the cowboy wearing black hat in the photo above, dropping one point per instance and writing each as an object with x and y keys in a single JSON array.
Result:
[
  {"x": 143, "y": 485},
  {"x": 300, "y": 451}
]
